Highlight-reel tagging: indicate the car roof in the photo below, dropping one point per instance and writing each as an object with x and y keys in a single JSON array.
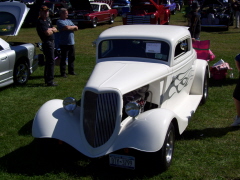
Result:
[
  {"x": 168, "y": 33},
  {"x": 12, "y": 15}
]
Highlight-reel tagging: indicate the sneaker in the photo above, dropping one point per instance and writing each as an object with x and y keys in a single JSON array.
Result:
[
  {"x": 72, "y": 73},
  {"x": 64, "y": 75},
  {"x": 236, "y": 121},
  {"x": 51, "y": 84}
]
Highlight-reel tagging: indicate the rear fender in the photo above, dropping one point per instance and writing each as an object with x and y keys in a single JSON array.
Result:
[{"x": 197, "y": 86}]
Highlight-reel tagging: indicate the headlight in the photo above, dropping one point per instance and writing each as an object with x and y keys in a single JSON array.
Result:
[
  {"x": 132, "y": 109},
  {"x": 69, "y": 104},
  {"x": 153, "y": 16}
]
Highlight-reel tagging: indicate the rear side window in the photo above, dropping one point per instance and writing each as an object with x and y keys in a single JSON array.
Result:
[
  {"x": 181, "y": 48},
  {"x": 7, "y": 23}
]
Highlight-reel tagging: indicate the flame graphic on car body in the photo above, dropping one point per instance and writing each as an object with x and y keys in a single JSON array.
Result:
[{"x": 179, "y": 83}]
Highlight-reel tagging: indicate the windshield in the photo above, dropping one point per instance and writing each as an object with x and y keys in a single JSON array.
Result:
[
  {"x": 134, "y": 48},
  {"x": 95, "y": 7}
]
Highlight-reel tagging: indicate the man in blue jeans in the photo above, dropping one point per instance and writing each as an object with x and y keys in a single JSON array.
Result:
[{"x": 66, "y": 42}]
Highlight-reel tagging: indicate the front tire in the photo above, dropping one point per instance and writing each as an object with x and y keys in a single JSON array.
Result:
[
  {"x": 94, "y": 22},
  {"x": 21, "y": 73},
  {"x": 162, "y": 159}
]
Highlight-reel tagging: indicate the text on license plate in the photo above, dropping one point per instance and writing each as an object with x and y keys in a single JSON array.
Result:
[{"x": 122, "y": 161}]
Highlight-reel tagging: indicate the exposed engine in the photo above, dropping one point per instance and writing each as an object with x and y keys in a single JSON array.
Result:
[{"x": 139, "y": 96}]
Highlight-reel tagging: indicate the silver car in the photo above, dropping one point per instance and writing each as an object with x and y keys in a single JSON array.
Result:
[{"x": 17, "y": 59}]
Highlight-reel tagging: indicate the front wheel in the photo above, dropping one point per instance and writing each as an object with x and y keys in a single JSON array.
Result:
[
  {"x": 21, "y": 73},
  {"x": 162, "y": 159},
  {"x": 94, "y": 22}
]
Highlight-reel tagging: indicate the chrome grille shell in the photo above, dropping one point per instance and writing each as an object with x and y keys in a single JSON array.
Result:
[
  {"x": 100, "y": 114},
  {"x": 134, "y": 19}
]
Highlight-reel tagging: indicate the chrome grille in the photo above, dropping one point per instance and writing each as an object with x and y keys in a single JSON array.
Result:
[
  {"x": 77, "y": 17},
  {"x": 99, "y": 118},
  {"x": 133, "y": 19}
]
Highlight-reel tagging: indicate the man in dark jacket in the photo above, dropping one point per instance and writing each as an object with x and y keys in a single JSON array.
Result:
[{"x": 46, "y": 32}]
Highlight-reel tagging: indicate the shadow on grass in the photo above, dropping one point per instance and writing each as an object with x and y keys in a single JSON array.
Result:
[
  {"x": 218, "y": 31},
  {"x": 207, "y": 133},
  {"x": 47, "y": 157},
  {"x": 222, "y": 82}
]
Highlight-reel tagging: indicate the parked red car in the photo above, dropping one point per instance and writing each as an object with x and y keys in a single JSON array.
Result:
[
  {"x": 91, "y": 13},
  {"x": 147, "y": 12}
]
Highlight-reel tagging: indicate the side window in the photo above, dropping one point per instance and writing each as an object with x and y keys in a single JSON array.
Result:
[
  {"x": 103, "y": 8},
  {"x": 1, "y": 48},
  {"x": 181, "y": 48},
  {"x": 104, "y": 49}
]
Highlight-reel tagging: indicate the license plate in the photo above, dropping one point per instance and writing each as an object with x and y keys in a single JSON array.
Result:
[{"x": 122, "y": 161}]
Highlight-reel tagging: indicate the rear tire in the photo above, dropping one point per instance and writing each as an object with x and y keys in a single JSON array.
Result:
[
  {"x": 205, "y": 88},
  {"x": 111, "y": 21},
  {"x": 168, "y": 21}
]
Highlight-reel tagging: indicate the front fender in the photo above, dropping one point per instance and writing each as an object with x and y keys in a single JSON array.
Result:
[
  {"x": 146, "y": 132},
  {"x": 52, "y": 121}
]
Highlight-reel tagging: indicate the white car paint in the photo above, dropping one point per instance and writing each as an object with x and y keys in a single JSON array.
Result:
[{"x": 175, "y": 88}]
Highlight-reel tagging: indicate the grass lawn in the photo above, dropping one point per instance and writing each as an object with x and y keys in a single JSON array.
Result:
[{"x": 208, "y": 149}]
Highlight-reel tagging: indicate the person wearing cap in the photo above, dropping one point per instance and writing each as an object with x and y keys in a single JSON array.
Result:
[
  {"x": 46, "y": 32},
  {"x": 236, "y": 94},
  {"x": 66, "y": 42},
  {"x": 194, "y": 21}
]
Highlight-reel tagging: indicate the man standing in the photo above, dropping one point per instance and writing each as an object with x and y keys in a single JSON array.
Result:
[
  {"x": 236, "y": 94},
  {"x": 194, "y": 21},
  {"x": 66, "y": 42},
  {"x": 45, "y": 31},
  {"x": 236, "y": 8}
]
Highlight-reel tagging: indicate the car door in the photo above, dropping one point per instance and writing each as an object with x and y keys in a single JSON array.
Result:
[
  {"x": 182, "y": 72},
  {"x": 100, "y": 14},
  {"x": 106, "y": 12},
  {"x": 4, "y": 66}
]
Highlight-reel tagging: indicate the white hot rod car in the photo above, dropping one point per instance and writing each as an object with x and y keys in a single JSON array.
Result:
[
  {"x": 17, "y": 59},
  {"x": 143, "y": 91}
]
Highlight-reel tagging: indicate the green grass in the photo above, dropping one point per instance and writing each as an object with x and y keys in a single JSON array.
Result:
[{"x": 208, "y": 149}]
